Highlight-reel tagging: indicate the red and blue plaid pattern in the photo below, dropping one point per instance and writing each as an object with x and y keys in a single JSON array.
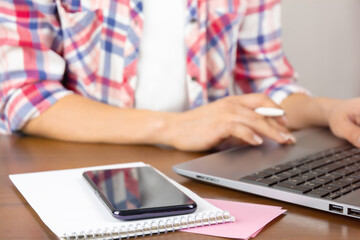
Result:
[{"x": 52, "y": 48}]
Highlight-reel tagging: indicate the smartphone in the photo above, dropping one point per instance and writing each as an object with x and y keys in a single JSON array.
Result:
[{"x": 138, "y": 193}]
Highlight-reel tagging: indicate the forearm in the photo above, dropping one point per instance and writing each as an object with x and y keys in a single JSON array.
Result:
[
  {"x": 75, "y": 118},
  {"x": 304, "y": 111}
]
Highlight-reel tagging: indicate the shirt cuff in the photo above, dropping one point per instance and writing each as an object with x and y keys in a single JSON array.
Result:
[
  {"x": 28, "y": 102},
  {"x": 283, "y": 88}
]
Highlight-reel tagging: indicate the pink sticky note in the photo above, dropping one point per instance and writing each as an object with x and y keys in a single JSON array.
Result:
[
  {"x": 256, "y": 233},
  {"x": 249, "y": 219}
]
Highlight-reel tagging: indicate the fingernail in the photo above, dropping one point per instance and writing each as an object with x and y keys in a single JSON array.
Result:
[
  {"x": 284, "y": 119},
  {"x": 258, "y": 139},
  {"x": 292, "y": 138},
  {"x": 288, "y": 137}
]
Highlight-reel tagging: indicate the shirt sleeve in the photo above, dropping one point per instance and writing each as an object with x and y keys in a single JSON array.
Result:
[
  {"x": 261, "y": 65},
  {"x": 31, "y": 66}
]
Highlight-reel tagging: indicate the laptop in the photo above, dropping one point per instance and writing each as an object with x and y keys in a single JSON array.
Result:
[{"x": 320, "y": 171}]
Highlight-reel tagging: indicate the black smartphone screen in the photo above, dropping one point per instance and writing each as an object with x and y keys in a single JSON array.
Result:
[{"x": 139, "y": 192}]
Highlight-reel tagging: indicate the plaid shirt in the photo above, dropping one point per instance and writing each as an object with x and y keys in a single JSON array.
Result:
[{"x": 51, "y": 48}]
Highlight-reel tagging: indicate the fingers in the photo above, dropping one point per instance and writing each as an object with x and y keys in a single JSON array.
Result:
[
  {"x": 254, "y": 126},
  {"x": 246, "y": 134},
  {"x": 253, "y": 101},
  {"x": 356, "y": 120},
  {"x": 209, "y": 125},
  {"x": 344, "y": 120},
  {"x": 271, "y": 129},
  {"x": 281, "y": 120},
  {"x": 282, "y": 129},
  {"x": 266, "y": 126},
  {"x": 350, "y": 131}
]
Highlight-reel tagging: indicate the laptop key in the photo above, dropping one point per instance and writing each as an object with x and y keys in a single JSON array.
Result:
[
  {"x": 311, "y": 184},
  {"x": 289, "y": 173},
  {"x": 355, "y": 158},
  {"x": 318, "y": 193},
  {"x": 296, "y": 180},
  {"x": 302, "y": 161},
  {"x": 343, "y": 147},
  {"x": 333, "y": 196},
  {"x": 330, "y": 188},
  {"x": 355, "y": 186},
  {"x": 278, "y": 169},
  {"x": 355, "y": 151},
  {"x": 340, "y": 183},
  {"x": 330, "y": 168},
  {"x": 323, "y": 180},
  {"x": 355, "y": 167},
  {"x": 351, "y": 179},
  {"x": 318, "y": 173},
  {"x": 260, "y": 181},
  {"x": 278, "y": 178},
  {"x": 250, "y": 178},
  {"x": 293, "y": 172},
  {"x": 346, "y": 190},
  {"x": 345, "y": 171},
  {"x": 261, "y": 174},
  {"x": 309, "y": 175},
  {"x": 333, "y": 176},
  {"x": 348, "y": 161},
  {"x": 266, "y": 181},
  {"x": 332, "y": 151},
  {"x": 317, "y": 164},
  {"x": 357, "y": 174},
  {"x": 291, "y": 187}
]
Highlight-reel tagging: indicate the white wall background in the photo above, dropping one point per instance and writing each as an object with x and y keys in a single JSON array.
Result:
[{"x": 322, "y": 41}]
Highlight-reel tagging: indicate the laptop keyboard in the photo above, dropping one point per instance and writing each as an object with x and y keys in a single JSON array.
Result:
[{"x": 328, "y": 174}]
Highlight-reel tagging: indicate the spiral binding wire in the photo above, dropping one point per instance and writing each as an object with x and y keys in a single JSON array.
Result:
[{"x": 153, "y": 227}]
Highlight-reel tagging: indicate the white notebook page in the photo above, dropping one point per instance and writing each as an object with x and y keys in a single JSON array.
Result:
[{"x": 66, "y": 204}]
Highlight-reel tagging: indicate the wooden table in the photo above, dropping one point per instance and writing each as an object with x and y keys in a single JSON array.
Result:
[{"x": 27, "y": 154}]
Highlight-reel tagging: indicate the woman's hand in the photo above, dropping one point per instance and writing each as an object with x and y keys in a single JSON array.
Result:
[
  {"x": 232, "y": 117},
  {"x": 343, "y": 117}
]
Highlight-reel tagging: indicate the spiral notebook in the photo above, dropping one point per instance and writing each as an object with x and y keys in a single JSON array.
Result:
[{"x": 66, "y": 204}]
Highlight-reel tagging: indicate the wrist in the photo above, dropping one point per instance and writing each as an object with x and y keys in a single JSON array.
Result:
[
  {"x": 325, "y": 107},
  {"x": 305, "y": 111},
  {"x": 134, "y": 126},
  {"x": 163, "y": 128}
]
